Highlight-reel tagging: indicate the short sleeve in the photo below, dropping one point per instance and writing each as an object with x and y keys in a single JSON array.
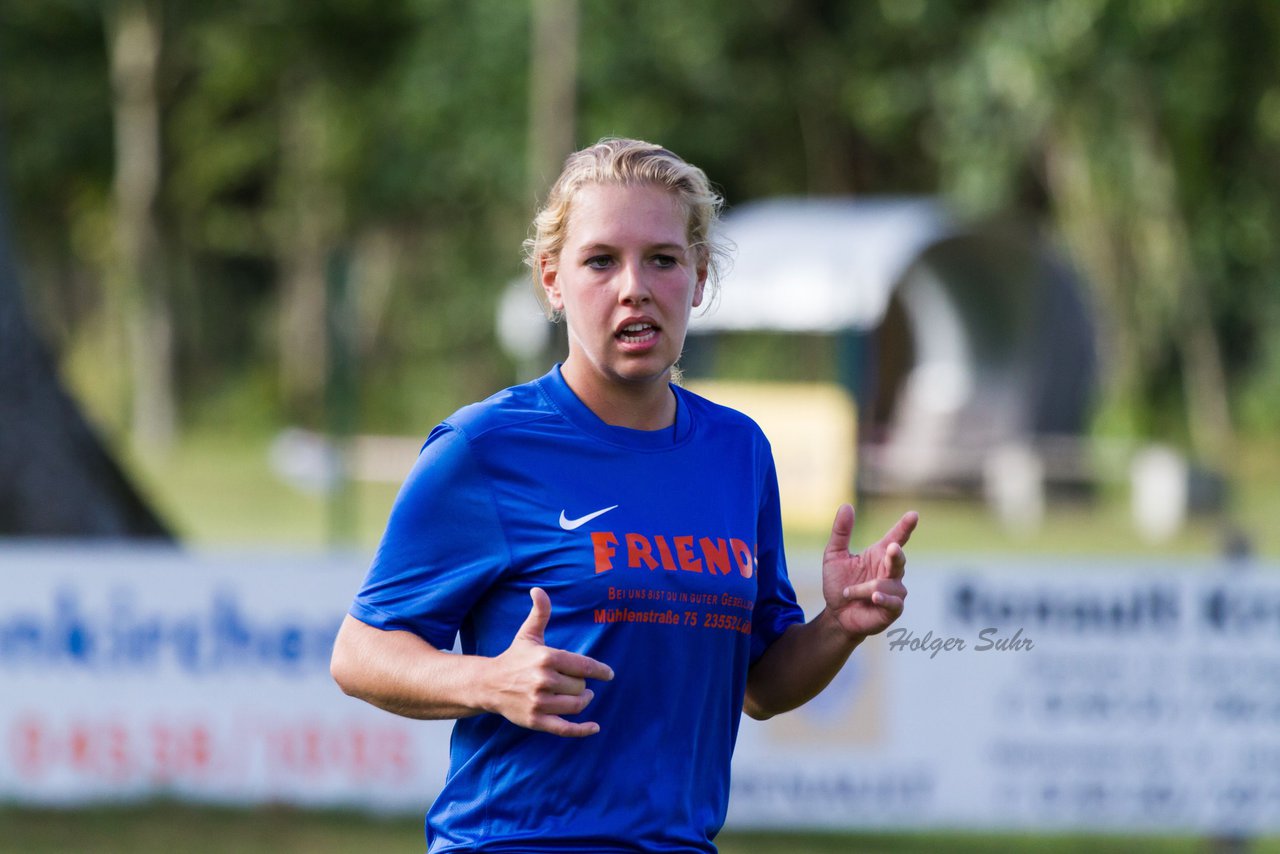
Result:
[
  {"x": 776, "y": 608},
  {"x": 444, "y": 546}
]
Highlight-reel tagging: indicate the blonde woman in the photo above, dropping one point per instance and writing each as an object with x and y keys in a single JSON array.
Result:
[{"x": 609, "y": 548}]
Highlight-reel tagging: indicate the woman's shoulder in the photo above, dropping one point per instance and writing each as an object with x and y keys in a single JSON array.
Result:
[
  {"x": 514, "y": 407},
  {"x": 718, "y": 415}
]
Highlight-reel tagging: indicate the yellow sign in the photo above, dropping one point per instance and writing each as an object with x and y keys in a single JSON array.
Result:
[{"x": 813, "y": 430}]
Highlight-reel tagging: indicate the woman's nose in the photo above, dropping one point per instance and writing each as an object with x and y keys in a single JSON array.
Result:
[{"x": 633, "y": 287}]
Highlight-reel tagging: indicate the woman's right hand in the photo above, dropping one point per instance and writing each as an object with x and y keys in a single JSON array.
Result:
[{"x": 534, "y": 685}]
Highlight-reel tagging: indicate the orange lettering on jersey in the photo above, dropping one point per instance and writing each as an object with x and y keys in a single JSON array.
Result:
[
  {"x": 605, "y": 544},
  {"x": 687, "y": 553},
  {"x": 717, "y": 555},
  {"x": 684, "y": 549},
  {"x": 742, "y": 554},
  {"x": 638, "y": 549},
  {"x": 668, "y": 562}
]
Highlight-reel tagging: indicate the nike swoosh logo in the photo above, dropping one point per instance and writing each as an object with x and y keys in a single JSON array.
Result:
[{"x": 572, "y": 524}]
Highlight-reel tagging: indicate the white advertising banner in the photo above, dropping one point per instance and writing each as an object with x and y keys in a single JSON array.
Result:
[
  {"x": 1041, "y": 695},
  {"x": 1012, "y": 694},
  {"x": 128, "y": 673}
]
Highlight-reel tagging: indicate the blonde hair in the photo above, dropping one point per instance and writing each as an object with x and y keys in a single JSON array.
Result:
[{"x": 629, "y": 162}]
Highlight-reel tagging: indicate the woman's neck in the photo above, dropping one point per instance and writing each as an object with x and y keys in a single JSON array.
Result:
[{"x": 649, "y": 405}]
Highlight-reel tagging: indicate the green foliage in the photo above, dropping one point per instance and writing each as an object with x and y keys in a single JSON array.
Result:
[
  {"x": 1142, "y": 135},
  {"x": 1259, "y": 396}
]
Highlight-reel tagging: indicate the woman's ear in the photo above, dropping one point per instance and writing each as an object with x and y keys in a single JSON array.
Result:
[
  {"x": 551, "y": 284},
  {"x": 700, "y": 287}
]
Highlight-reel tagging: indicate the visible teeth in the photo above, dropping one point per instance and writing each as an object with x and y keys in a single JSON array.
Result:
[{"x": 634, "y": 333}]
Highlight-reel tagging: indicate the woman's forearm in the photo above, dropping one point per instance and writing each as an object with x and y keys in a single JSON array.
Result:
[
  {"x": 797, "y": 666},
  {"x": 401, "y": 673},
  {"x": 530, "y": 684}
]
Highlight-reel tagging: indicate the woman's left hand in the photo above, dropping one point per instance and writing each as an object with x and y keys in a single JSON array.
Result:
[{"x": 864, "y": 592}]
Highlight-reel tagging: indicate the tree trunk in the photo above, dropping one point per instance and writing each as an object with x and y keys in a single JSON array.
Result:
[
  {"x": 305, "y": 234},
  {"x": 553, "y": 90},
  {"x": 133, "y": 42},
  {"x": 1166, "y": 262},
  {"x": 1088, "y": 228}
]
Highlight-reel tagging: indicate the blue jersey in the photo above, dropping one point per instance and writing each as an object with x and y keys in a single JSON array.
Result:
[{"x": 662, "y": 555}]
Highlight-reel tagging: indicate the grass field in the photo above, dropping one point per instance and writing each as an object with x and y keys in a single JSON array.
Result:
[
  {"x": 194, "y": 830},
  {"x": 218, "y": 490}
]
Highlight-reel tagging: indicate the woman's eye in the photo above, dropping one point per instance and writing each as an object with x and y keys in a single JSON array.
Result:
[
  {"x": 599, "y": 262},
  {"x": 664, "y": 260}
]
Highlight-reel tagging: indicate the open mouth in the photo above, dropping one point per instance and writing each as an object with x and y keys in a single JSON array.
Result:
[{"x": 637, "y": 333}]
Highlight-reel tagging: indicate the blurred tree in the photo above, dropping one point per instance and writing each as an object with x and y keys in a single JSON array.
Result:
[
  {"x": 553, "y": 89},
  {"x": 56, "y": 478},
  {"x": 409, "y": 132},
  {"x": 1134, "y": 119},
  {"x": 56, "y": 100},
  {"x": 265, "y": 138},
  {"x": 307, "y": 127},
  {"x": 133, "y": 30}
]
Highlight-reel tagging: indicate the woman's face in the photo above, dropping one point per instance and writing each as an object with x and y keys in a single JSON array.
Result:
[{"x": 626, "y": 281}]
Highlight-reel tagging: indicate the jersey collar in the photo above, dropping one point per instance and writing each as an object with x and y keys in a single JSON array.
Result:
[{"x": 562, "y": 397}]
